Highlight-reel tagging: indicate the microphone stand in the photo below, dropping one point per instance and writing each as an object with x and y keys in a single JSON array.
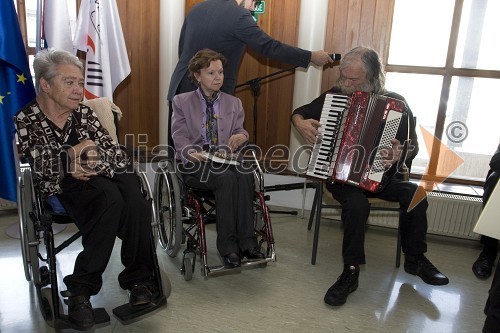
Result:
[{"x": 254, "y": 84}]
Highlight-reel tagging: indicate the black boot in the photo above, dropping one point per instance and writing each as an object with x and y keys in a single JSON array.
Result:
[
  {"x": 483, "y": 266},
  {"x": 80, "y": 312},
  {"x": 143, "y": 293},
  {"x": 421, "y": 266},
  {"x": 346, "y": 283}
]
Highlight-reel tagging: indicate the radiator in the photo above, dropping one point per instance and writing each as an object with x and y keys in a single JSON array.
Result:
[
  {"x": 453, "y": 215},
  {"x": 448, "y": 214}
]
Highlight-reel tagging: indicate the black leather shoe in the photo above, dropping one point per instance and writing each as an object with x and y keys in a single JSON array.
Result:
[
  {"x": 346, "y": 283},
  {"x": 143, "y": 293},
  {"x": 421, "y": 266},
  {"x": 231, "y": 260},
  {"x": 254, "y": 253},
  {"x": 483, "y": 266},
  {"x": 80, "y": 312}
]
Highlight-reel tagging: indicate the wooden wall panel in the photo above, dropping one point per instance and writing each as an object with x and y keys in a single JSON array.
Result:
[
  {"x": 275, "y": 99},
  {"x": 357, "y": 23},
  {"x": 366, "y": 22},
  {"x": 138, "y": 94},
  {"x": 382, "y": 27}
]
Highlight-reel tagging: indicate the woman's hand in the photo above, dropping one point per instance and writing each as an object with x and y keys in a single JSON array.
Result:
[
  {"x": 83, "y": 159},
  {"x": 197, "y": 156},
  {"x": 236, "y": 140},
  {"x": 81, "y": 170}
]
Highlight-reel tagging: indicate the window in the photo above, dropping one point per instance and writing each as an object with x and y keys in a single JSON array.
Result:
[
  {"x": 27, "y": 13},
  {"x": 442, "y": 59}
]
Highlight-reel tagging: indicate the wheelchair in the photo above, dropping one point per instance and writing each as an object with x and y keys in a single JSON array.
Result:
[
  {"x": 36, "y": 219},
  {"x": 183, "y": 212}
]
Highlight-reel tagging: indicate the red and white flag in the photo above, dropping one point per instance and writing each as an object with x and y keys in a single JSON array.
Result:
[
  {"x": 99, "y": 33},
  {"x": 56, "y": 25}
]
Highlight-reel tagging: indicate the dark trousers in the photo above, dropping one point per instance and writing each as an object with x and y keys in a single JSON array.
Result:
[
  {"x": 355, "y": 211},
  {"x": 104, "y": 209},
  {"x": 492, "y": 308},
  {"x": 234, "y": 196}
]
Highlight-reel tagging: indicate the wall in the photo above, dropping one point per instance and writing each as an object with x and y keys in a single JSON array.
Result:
[{"x": 138, "y": 95}]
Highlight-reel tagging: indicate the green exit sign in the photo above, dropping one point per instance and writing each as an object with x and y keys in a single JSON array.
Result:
[{"x": 260, "y": 7}]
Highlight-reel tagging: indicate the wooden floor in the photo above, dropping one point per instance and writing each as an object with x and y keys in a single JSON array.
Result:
[{"x": 285, "y": 296}]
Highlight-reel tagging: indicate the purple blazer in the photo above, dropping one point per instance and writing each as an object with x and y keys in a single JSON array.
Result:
[{"x": 188, "y": 117}]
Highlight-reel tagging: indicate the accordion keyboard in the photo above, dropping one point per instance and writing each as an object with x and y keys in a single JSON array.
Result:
[{"x": 326, "y": 148}]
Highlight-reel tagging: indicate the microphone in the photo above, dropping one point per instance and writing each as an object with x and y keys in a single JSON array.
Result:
[{"x": 335, "y": 56}]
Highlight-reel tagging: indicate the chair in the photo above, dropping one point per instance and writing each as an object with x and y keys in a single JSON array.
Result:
[
  {"x": 36, "y": 220},
  {"x": 109, "y": 114},
  {"x": 318, "y": 205}
]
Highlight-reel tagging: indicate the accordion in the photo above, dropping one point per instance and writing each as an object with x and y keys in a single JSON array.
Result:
[{"x": 354, "y": 129}]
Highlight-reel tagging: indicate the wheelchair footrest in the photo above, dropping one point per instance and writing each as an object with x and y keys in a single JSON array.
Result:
[
  {"x": 210, "y": 270},
  {"x": 101, "y": 316},
  {"x": 127, "y": 312}
]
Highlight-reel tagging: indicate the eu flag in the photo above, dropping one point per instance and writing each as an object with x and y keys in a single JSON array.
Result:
[{"x": 16, "y": 90}]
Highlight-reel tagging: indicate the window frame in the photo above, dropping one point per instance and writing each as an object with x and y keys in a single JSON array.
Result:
[
  {"x": 447, "y": 72},
  {"x": 21, "y": 16}
]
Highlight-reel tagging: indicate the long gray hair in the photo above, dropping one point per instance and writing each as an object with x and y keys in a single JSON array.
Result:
[{"x": 373, "y": 66}]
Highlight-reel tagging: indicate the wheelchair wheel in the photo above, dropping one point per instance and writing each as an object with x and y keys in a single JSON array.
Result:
[
  {"x": 168, "y": 209},
  {"x": 29, "y": 241},
  {"x": 187, "y": 268},
  {"x": 47, "y": 304},
  {"x": 148, "y": 195}
]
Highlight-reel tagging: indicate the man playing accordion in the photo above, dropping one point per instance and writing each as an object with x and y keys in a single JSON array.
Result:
[{"x": 362, "y": 70}]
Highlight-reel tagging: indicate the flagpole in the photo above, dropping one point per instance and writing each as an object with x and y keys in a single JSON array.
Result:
[{"x": 39, "y": 7}]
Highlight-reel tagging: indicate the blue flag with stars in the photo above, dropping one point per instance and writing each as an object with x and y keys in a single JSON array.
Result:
[{"x": 16, "y": 90}]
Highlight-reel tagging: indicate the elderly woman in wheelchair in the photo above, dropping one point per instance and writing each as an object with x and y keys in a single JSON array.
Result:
[
  {"x": 78, "y": 164},
  {"x": 208, "y": 122}
]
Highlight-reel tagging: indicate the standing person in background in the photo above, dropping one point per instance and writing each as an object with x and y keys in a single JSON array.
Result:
[
  {"x": 227, "y": 27},
  {"x": 492, "y": 308},
  {"x": 483, "y": 265}
]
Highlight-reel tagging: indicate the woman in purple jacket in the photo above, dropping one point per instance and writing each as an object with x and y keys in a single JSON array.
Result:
[{"x": 208, "y": 119}]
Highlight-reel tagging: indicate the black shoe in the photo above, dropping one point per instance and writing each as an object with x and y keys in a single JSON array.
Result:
[
  {"x": 346, "y": 283},
  {"x": 421, "y": 266},
  {"x": 231, "y": 260},
  {"x": 254, "y": 253},
  {"x": 483, "y": 266},
  {"x": 80, "y": 312},
  {"x": 143, "y": 293}
]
